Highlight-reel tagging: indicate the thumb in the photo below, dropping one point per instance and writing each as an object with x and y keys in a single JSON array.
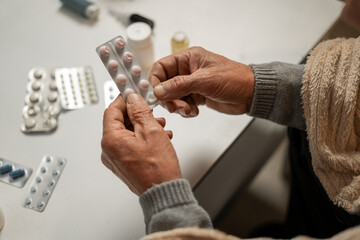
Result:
[
  {"x": 139, "y": 113},
  {"x": 176, "y": 88}
]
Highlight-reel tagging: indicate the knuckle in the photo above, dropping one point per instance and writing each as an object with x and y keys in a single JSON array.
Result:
[{"x": 153, "y": 130}]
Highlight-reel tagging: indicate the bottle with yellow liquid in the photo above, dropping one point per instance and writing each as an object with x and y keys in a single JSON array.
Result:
[{"x": 179, "y": 42}]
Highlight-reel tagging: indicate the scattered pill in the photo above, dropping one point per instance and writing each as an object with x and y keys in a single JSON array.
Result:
[
  {"x": 113, "y": 65},
  {"x": 52, "y": 97},
  {"x": 136, "y": 71},
  {"x": 36, "y": 85},
  {"x": 144, "y": 84},
  {"x": 38, "y": 73},
  {"x": 104, "y": 51},
  {"x": 34, "y": 97},
  {"x": 121, "y": 79},
  {"x": 128, "y": 91},
  {"x": 119, "y": 43},
  {"x": 17, "y": 174},
  {"x": 5, "y": 169},
  {"x": 128, "y": 57},
  {"x": 28, "y": 201},
  {"x": 30, "y": 123}
]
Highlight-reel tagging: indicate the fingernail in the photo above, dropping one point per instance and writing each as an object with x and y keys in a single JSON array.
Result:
[
  {"x": 193, "y": 113},
  {"x": 182, "y": 112},
  {"x": 133, "y": 98},
  {"x": 160, "y": 90}
]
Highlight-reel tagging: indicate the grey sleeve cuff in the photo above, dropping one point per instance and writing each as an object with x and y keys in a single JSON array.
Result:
[
  {"x": 172, "y": 205},
  {"x": 277, "y": 94}
]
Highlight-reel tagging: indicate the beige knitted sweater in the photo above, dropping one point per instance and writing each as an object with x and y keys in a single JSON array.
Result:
[{"x": 331, "y": 102}]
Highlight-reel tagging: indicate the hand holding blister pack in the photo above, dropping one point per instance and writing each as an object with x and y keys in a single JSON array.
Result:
[{"x": 125, "y": 70}]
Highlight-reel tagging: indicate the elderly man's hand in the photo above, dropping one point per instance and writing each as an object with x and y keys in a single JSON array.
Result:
[
  {"x": 135, "y": 147},
  {"x": 196, "y": 76}
]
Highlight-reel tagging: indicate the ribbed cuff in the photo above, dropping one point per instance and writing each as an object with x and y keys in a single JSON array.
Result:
[
  {"x": 166, "y": 195},
  {"x": 265, "y": 91}
]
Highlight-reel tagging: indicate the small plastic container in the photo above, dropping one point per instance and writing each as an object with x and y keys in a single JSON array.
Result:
[
  {"x": 179, "y": 42},
  {"x": 139, "y": 40}
]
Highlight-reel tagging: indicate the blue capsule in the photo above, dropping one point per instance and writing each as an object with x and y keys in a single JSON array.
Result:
[
  {"x": 17, "y": 174},
  {"x": 6, "y": 169}
]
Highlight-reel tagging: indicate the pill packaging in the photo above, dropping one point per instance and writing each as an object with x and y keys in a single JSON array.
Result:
[
  {"x": 13, "y": 173},
  {"x": 125, "y": 70},
  {"x": 110, "y": 92},
  {"x": 42, "y": 103},
  {"x": 76, "y": 87},
  {"x": 44, "y": 182}
]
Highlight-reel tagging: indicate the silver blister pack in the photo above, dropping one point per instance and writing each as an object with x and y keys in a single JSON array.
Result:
[
  {"x": 76, "y": 87},
  {"x": 13, "y": 173},
  {"x": 110, "y": 92},
  {"x": 125, "y": 70},
  {"x": 42, "y": 102},
  {"x": 44, "y": 182}
]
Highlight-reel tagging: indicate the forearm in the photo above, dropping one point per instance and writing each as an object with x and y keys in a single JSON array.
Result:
[
  {"x": 277, "y": 94},
  {"x": 172, "y": 205}
]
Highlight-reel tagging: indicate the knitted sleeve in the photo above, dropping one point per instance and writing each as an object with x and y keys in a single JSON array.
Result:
[{"x": 331, "y": 102}]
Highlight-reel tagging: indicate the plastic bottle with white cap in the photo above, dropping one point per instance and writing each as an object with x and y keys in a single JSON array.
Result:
[
  {"x": 139, "y": 39},
  {"x": 2, "y": 220}
]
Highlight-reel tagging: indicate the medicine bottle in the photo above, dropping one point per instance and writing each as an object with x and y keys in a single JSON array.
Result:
[
  {"x": 139, "y": 40},
  {"x": 179, "y": 42}
]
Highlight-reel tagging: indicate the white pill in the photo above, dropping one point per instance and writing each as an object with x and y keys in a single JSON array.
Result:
[
  {"x": 33, "y": 110},
  {"x": 53, "y": 86},
  {"x": 40, "y": 204},
  {"x": 51, "y": 183},
  {"x": 38, "y": 73},
  {"x": 52, "y": 97},
  {"x": 34, "y": 97},
  {"x": 136, "y": 71},
  {"x": 28, "y": 201},
  {"x": 128, "y": 91},
  {"x": 144, "y": 84},
  {"x": 30, "y": 123},
  {"x": 46, "y": 193},
  {"x": 104, "y": 51},
  {"x": 52, "y": 122},
  {"x": 113, "y": 65},
  {"x": 121, "y": 79},
  {"x": 33, "y": 189},
  {"x": 151, "y": 99},
  {"x": 36, "y": 85},
  {"x": 119, "y": 43},
  {"x": 38, "y": 179},
  {"x": 53, "y": 110},
  {"x": 128, "y": 57}
]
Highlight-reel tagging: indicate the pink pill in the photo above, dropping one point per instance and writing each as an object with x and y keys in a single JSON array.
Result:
[
  {"x": 128, "y": 91},
  {"x": 104, "y": 51},
  {"x": 113, "y": 65},
  {"x": 121, "y": 79},
  {"x": 144, "y": 84},
  {"x": 136, "y": 71},
  {"x": 119, "y": 43},
  {"x": 128, "y": 57}
]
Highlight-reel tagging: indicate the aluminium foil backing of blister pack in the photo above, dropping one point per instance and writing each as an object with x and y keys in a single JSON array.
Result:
[{"x": 125, "y": 70}]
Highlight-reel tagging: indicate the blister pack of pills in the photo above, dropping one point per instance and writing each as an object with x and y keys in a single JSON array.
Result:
[
  {"x": 76, "y": 87},
  {"x": 44, "y": 182},
  {"x": 13, "y": 173},
  {"x": 110, "y": 92},
  {"x": 42, "y": 102},
  {"x": 125, "y": 70}
]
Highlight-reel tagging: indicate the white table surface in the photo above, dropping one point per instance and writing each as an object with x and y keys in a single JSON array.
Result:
[{"x": 89, "y": 202}]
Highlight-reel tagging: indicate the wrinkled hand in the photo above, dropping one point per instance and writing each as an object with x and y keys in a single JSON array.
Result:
[
  {"x": 196, "y": 76},
  {"x": 135, "y": 147}
]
